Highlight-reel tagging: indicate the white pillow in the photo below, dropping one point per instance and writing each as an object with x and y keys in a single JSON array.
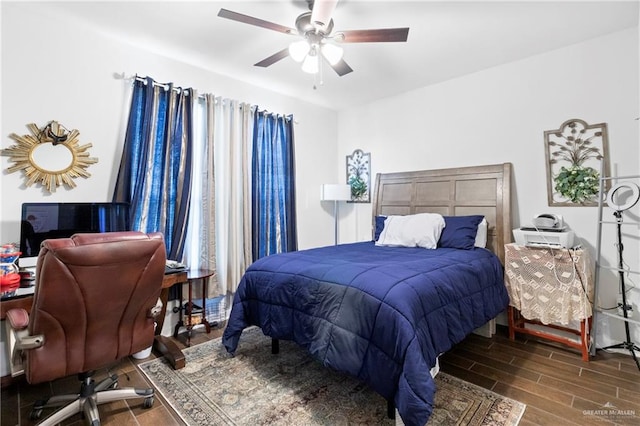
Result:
[
  {"x": 417, "y": 230},
  {"x": 481, "y": 234}
]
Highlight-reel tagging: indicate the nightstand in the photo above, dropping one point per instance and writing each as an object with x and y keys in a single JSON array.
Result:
[{"x": 550, "y": 290}]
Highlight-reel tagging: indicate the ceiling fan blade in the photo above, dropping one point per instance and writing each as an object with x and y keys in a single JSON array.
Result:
[
  {"x": 341, "y": 68},
  {"x": 246, "y": 19},
  {"x": 321, "y": 13},
  {"x": 273, "y": 58},
  {"x": 373, "y": 36}
]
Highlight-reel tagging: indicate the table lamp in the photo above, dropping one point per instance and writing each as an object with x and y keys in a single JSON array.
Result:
[{"x": 335, "y": 193}]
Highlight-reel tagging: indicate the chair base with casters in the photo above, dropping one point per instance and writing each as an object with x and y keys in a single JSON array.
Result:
[{"x": 86, "y": 402}]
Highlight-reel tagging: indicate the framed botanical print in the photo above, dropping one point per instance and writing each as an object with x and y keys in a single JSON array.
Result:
[
  {"x": 576, "y": 154},
  {"x": 359, "y": 176}
]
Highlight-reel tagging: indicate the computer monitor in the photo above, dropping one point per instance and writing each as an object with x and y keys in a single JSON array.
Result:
[{"x": 41, "y": 221}]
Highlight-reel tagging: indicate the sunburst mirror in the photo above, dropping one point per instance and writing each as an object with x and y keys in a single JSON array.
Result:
[{"x": 51, "y": 155}]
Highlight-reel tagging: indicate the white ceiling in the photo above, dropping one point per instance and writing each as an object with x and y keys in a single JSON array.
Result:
[{"x": 447, "y": 39}]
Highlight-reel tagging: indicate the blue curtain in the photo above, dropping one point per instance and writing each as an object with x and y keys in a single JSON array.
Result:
[
  {"x": 155, "y": 169},
  {"x": 273, "y": 207}
]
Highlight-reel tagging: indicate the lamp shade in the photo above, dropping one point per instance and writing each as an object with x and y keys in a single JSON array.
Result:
[
  {"x": 331, "y": 52},
  {"x": 310, "y": 63},
  {"x": 298, "y": 50},
  {"x": 335, "y": 192}
]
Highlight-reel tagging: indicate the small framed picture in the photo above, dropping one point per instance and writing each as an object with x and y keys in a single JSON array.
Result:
[{"x": 359, "y": 176}]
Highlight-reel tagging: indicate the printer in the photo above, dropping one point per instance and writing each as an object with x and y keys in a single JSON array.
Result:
[{"x": 547, "y": 230}]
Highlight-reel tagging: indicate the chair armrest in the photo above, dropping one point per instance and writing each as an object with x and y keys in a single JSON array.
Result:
[
  {"x": 18, "y": 339},
  {"x": 18, "y": 318},
  {"x": 19, "y": 321}
]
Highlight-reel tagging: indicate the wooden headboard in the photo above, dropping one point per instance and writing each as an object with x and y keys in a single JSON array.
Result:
[{"x": 481, "y": 190}]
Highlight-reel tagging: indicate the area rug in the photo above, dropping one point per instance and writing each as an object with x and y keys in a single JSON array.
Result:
[{"x": 258, "y": 388}]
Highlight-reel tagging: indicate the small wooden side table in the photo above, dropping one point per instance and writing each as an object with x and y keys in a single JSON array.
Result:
[
  {"x": 552, "y": 289},
  {"x": 189, "y": 308}
]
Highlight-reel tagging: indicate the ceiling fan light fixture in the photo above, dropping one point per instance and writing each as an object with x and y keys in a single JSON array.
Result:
[
  {"x": 310, "y": 64},
  {"x": 316, "y": 28},
  {"x": 298, "y": 50},
  {"x": 331, "y": 53}
]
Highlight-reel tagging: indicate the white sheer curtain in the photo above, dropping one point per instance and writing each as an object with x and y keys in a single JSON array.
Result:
[
  {"x": 232, "y": 138},
  {"x": 200, "y": 253},
  {"x": 220, "y": 221}
]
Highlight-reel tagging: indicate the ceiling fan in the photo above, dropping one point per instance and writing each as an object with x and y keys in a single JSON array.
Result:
[{"x": 316, "y": 27}]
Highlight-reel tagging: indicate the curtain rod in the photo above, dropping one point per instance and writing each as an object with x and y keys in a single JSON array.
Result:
[
  {"x": 122, "y": 76},
  {"x": 166, "y": 86}
]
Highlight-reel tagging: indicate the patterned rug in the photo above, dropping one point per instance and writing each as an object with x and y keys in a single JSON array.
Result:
[{"x": 258, "y": 388}]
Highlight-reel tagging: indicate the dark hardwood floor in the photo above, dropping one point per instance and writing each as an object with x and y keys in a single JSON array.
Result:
[
  {"x": 558, "y": 388},
  {"x": 18, "y": 397}
]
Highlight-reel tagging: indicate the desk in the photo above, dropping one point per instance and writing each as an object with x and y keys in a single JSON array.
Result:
[
  {"x": 551, "y": 289},
  {"x": 164, "y": 345},
  {"x": 190, "y": 309}
]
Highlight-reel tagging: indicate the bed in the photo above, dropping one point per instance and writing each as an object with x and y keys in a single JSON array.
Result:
[{"x": 384, "y": 314}]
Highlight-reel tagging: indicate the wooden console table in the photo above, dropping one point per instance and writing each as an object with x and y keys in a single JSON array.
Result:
[{"x": 551, "y": 289}]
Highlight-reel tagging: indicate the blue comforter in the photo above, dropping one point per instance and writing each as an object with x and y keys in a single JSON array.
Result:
[{"x": 381, "y": 314}]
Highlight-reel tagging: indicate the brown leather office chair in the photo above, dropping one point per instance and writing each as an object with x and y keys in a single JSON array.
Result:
[{"x": 94, "y": 303}]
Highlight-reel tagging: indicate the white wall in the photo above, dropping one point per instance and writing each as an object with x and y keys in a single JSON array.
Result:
[
  {"x": 499, "y": 115},
  {"x": 55, "y": 69}
]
